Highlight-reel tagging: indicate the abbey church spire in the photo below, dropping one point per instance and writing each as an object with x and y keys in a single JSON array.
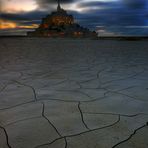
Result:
[{"x": 59, "y": 6}]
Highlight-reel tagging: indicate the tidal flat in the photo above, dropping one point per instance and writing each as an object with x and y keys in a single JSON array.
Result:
[{"x": 73, "y": 93}]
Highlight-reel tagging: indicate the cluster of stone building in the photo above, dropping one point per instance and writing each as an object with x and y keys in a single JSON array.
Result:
[{"x": 61, "y": 24}]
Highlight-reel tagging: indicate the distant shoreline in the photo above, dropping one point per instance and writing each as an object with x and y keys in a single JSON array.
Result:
[{"x": 130, "y": 38}]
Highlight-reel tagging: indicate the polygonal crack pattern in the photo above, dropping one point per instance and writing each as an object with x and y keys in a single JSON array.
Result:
[{"x": 73, "y": 93}]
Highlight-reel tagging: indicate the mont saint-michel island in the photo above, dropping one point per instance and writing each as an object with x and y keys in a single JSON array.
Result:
[
  {"x": 61, "y": 24},
  {"x": 60, "y": 87}
]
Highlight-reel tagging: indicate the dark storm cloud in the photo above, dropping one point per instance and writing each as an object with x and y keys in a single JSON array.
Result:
[
  {"x": 135, "y": 4},
  {"x": 115, "y": 16},
  {"x": 96, "y": 3},
  {"x": 47, "y": 3},
  {"x": 13, "y": 17},
  {"x": 32, "y": 15},
  {"x": 54, "y": 1}
]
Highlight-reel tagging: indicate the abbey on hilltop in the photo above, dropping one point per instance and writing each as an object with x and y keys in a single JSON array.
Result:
[{"x": 61, "y": 24}]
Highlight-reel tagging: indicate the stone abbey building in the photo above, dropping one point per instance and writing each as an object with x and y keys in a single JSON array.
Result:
[{"x": 61, "y": 24}]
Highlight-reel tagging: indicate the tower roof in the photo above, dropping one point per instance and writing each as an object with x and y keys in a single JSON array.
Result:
[{"x": 59, "y": 6}]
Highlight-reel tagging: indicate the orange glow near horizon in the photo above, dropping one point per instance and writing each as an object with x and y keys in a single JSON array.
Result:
[
  {"x": 13, "y": 25},
  {"x": 7, "y": 24},
  {"x": 28, "y": 26}
]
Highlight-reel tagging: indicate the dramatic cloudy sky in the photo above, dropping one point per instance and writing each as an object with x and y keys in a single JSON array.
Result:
[{"x": 108, "y": 17}]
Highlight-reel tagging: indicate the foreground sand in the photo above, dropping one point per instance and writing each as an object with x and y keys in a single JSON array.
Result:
[{"x": 73, "y": 93}]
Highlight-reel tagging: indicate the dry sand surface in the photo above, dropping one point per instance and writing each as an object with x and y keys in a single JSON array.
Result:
[{"x": 73, "y": 93}]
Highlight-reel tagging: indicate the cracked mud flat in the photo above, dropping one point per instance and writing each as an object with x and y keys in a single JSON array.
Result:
[{"x": 73, "y": 93}]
